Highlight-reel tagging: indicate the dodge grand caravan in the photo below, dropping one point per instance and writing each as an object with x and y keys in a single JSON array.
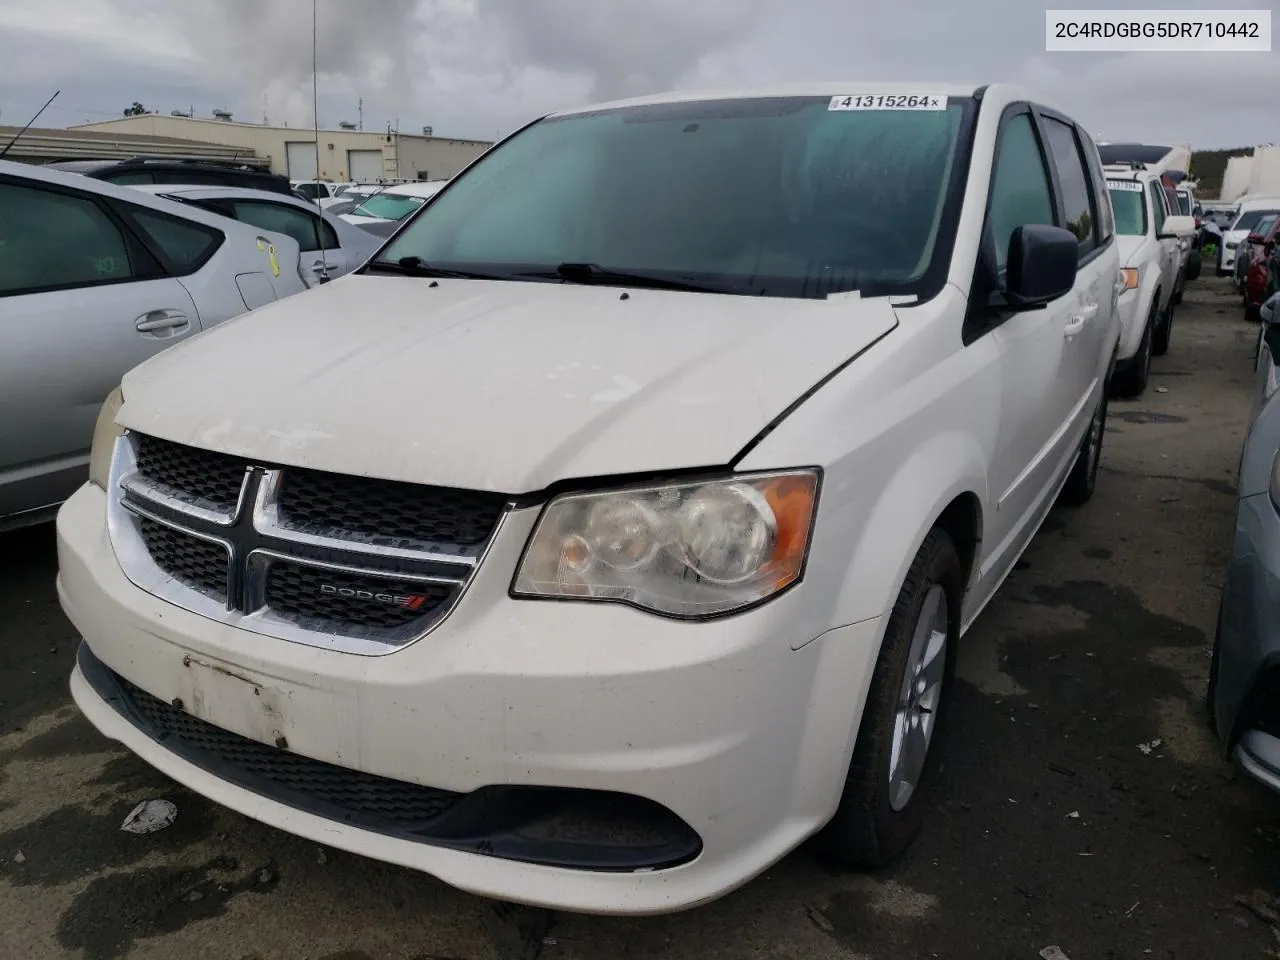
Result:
[{"x": 612, "y": 530}]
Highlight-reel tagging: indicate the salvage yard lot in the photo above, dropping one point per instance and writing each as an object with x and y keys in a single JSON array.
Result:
[{"x": 1082, "y": 801}]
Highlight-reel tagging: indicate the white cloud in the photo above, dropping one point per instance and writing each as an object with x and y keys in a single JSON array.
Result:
[{"x": 473, "y": 67}]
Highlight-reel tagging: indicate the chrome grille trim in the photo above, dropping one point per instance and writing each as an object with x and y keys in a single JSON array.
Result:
[{"x": 258, "y": 543}]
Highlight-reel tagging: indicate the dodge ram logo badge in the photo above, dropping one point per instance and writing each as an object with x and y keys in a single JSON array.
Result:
[{"x": 410, "y": 601}]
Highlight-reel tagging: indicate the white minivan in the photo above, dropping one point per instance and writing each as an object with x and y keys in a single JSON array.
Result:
[{"x": 613, "y": 530}]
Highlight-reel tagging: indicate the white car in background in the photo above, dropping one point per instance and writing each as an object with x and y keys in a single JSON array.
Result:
[
  {"x": 382, "y": 213},
  {"x": 1251, "y": 210},
  {"x": 95, "y": 278},
  {"x": 1150, "y": 260},
  {"x": 324, "y": 192},
  {"x": 329, "y": 246}
]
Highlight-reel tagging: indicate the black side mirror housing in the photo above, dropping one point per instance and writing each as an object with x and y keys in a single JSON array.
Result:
[{"x": 1042, "y": 266}]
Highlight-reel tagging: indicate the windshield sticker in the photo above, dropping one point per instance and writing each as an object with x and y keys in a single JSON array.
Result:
[
  {"x": 889, "y": 101},
  {"x": 1131, "y": 185}
]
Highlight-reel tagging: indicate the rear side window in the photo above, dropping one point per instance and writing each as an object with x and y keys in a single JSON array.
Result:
[
  {"x": 1078, "y": 203},
  {"x": 282, "y": 218},
  {"x": 51, "y": 240},
  {"x": 1020, "y": 191},
  {"x": 131, "y": 179},
  {"x": 1157, "y": 205},
  {"x": 181, "y": 245},
  {"x": 1105, "y": 198}
]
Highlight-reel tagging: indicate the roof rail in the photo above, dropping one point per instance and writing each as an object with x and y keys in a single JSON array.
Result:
[{"x": 257, "y": 164}]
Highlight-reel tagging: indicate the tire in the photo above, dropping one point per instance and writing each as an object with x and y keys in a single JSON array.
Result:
[
  {"x": 1163, "y": 332},
  {"x": 1083, "y": 478},
  {"x": 880, "y": 815},
  {"x": 1132, "y": 381},
  {"x": 1210, "y": 693}
]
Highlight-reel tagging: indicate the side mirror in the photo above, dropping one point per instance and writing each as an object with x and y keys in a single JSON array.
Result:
[
  {"x": 1042, "y": 265},
  {"x": 1255, "y": 238},
  {"x": 1178, "y": 226}
]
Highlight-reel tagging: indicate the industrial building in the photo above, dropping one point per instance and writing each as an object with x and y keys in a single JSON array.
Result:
[
  {"x": 345, "y": 154},
  {"x": 46, "y": 145}
]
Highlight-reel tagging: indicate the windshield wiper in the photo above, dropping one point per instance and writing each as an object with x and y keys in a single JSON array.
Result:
[
  {"x": 417, "y": 267},
  {"x": 593, "y": 273}
]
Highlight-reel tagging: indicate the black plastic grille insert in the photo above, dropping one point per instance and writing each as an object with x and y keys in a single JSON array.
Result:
[
  {"x": 302, "y": 592},
  {"x": 200, "y": 564},
  {"x": 385, "y": 510},
  {"x": 189, "y": 473}
]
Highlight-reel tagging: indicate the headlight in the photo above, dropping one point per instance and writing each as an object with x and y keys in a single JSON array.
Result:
[
  {"x": 684, "y": 549},
  {"x": 1232, "y": 244},
  {"x": 1130, "y": 277},
  {"x": 105, "y": 432}
]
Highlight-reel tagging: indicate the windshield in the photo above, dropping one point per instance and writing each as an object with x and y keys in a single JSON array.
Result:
[
  {"x": 1264, "y": 225},
  {"x": 1250, "y": 218},
  {"x": 310, "y": 190},
  {"x": 797, "y": 196},
  {"x": 389, "y": 206},
  {"x": 1131, "y": 211},
  {"x": 1184, "y": 203}
]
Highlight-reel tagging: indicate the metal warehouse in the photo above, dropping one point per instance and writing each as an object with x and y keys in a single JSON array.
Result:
[{"x": 345, "y": 154}]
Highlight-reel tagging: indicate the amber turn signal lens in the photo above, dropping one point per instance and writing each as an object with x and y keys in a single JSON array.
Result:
[{"x": 791, "y": 500}]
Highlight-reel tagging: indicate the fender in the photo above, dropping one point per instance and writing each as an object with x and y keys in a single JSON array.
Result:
[{"x": 948, "y": 466}]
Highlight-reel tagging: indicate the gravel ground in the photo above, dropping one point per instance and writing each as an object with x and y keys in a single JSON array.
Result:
[{"x": 1051, "y": 826}]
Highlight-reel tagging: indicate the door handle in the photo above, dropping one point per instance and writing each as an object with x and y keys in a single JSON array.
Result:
[{"x": 160, "y": 320}]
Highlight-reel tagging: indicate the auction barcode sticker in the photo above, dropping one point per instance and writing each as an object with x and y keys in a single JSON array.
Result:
[
  {"x": 1131, "y": 185},
  {"x": 889, "y": 101}
]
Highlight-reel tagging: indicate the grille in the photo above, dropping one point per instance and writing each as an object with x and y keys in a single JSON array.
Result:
[
  {"x": 341, "y": 562},
  {"x": 361, "y": 796},
  {"x": 362, "y": 508},
  {"x": 191, "y": 474},
  {"x": 199, "y": 564},
  {"x": 300, "y": 593}
]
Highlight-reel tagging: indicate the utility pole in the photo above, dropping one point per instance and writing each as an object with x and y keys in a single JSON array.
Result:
[{"x": 360, "y": 110}]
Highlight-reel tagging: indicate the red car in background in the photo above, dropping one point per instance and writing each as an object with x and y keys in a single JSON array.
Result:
[{"x": 1264, "y": 266}]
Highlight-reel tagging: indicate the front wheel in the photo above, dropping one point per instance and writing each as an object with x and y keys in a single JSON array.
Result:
[
  {"x": 1083, "y": 478},
  {"x": 1131, "y": 382},
  {"x": 895, "y": 758},
  {"x": 1163, "y": 332}
]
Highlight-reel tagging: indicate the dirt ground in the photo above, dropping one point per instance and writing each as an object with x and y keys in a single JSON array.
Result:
[{"x": 1052, "y": 826}]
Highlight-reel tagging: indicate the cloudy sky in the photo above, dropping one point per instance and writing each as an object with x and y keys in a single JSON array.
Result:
[{"x": 477, "y": 68}]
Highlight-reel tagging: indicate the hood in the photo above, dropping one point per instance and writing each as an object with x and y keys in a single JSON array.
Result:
[
  {"x": 492, "y": 385},
  {"x": 361, "y": 218}
]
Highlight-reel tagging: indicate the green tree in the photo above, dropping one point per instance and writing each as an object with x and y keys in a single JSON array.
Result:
[{"x": 136, "y": 110}]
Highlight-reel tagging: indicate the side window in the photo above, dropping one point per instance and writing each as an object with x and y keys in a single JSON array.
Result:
[
  {"x": 52, "y": 240},
  {"x": 1020, "y": 191},
  {"x": 330, "y": 237},
  {"x": 1106, "y": 212},
  {"x": 183, "y": 246},
  {"x": 1157, "y": 205},
  {"x": 132, "y": 179},
  {"x": 280, "y": 218},
  {"x": 1078, "y": 202}
]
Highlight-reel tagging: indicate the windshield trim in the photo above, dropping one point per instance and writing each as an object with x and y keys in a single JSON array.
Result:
[{"x": 922, "y": 289}]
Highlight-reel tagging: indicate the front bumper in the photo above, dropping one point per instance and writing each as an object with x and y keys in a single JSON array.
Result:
[{"x": 725, "y": 724}]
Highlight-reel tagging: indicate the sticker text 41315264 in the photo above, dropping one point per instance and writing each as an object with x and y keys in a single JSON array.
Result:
[{"x": 889, "y": 101}]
